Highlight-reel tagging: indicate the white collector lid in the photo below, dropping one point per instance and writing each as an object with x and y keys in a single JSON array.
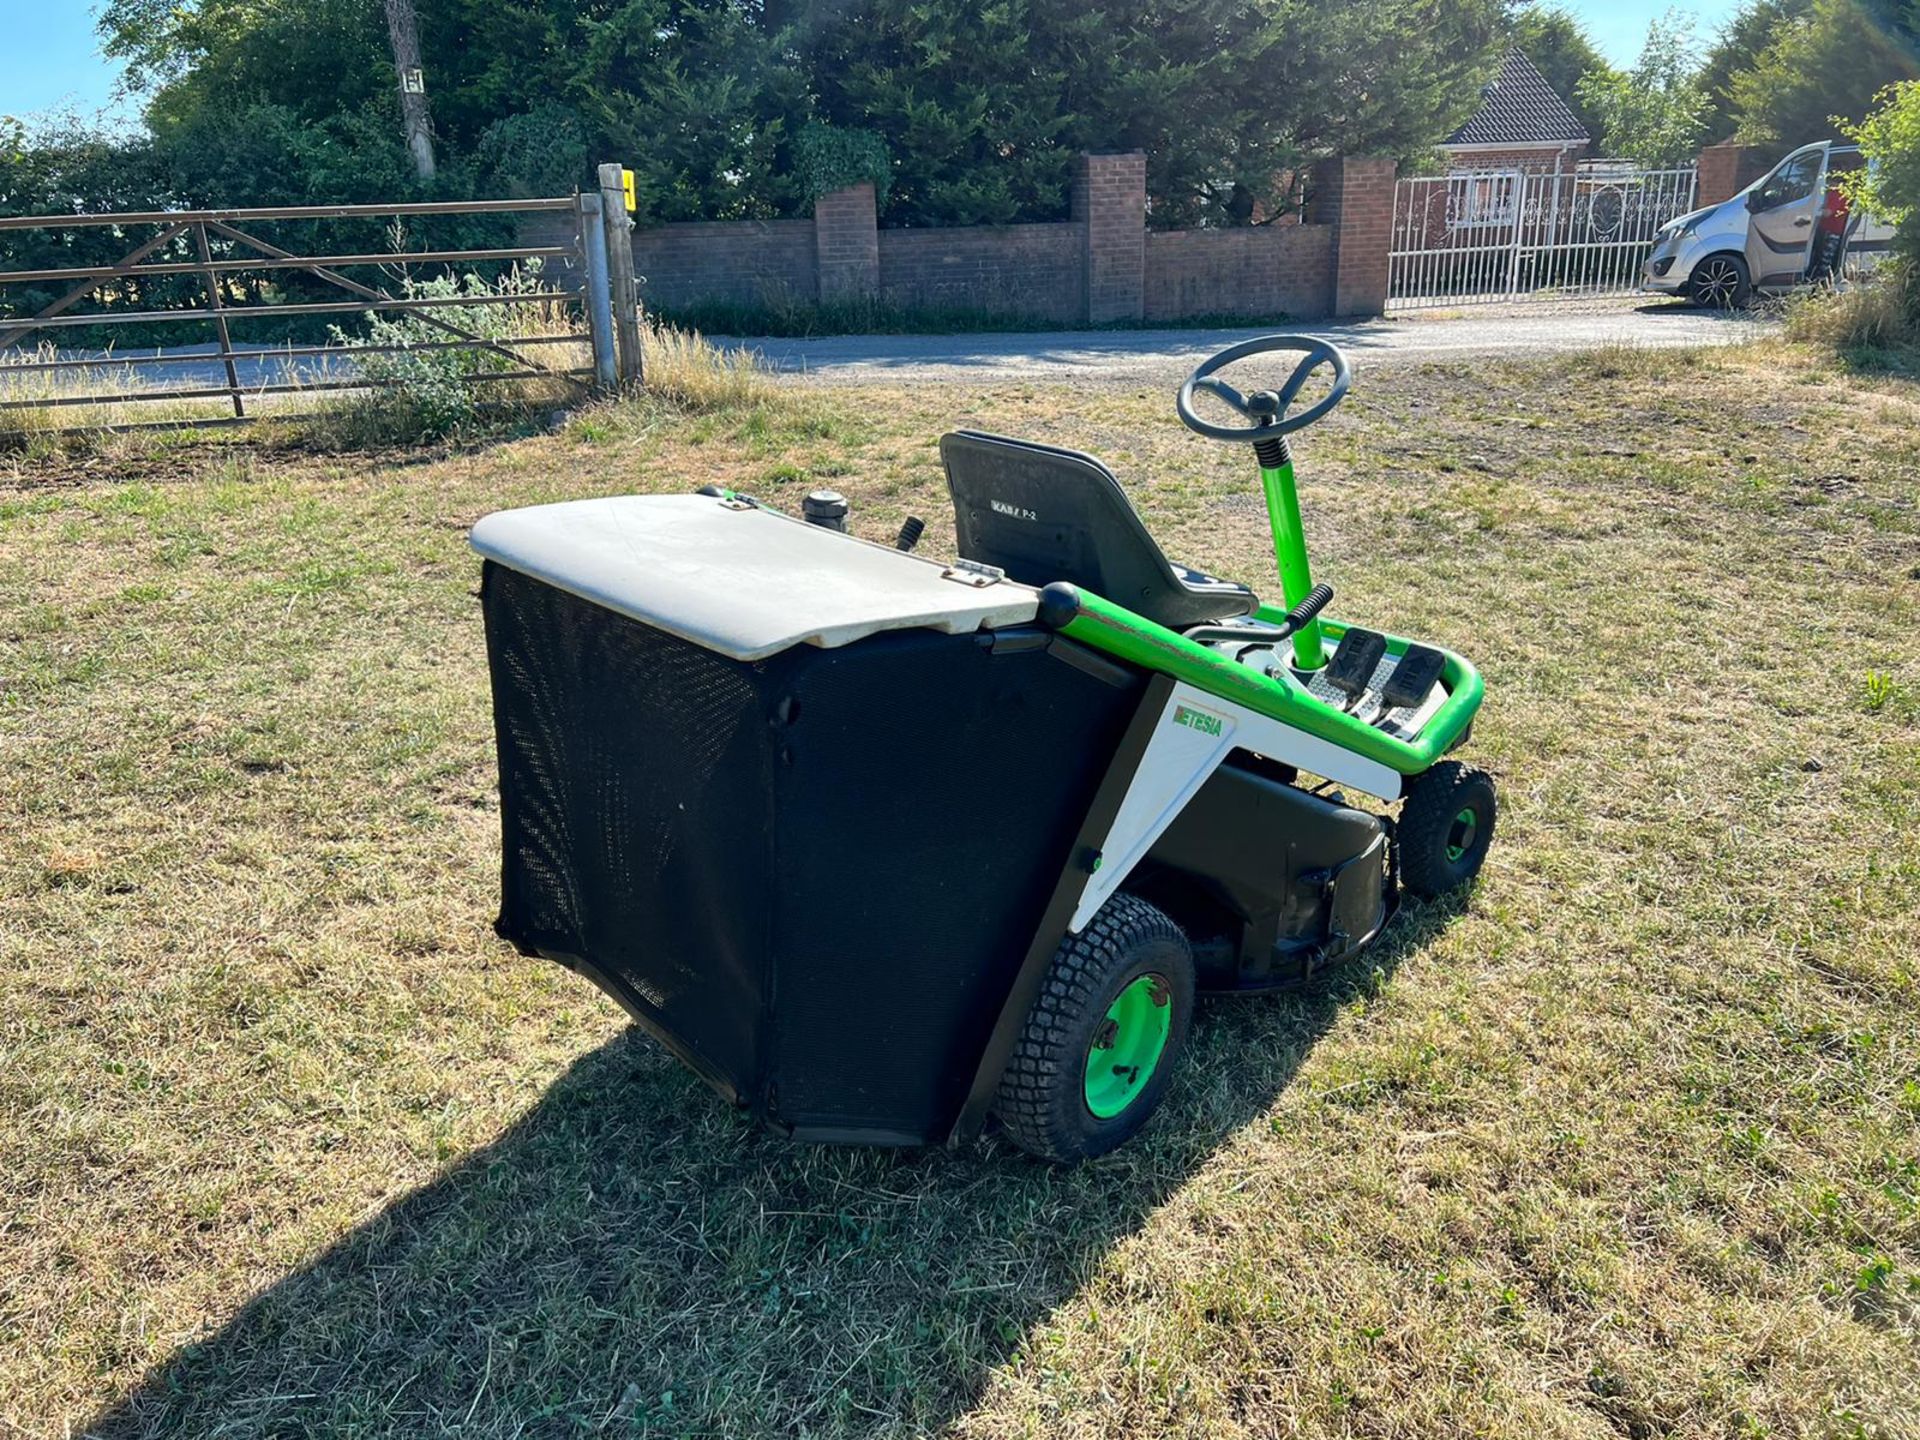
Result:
[{"x": 745, "y": 582}]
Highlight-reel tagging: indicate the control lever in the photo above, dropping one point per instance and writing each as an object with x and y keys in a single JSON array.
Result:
[
  {"x": 1318, "y": 598},
  {"x": 910, "y": 533},
  {"x": 1351, "y": 670}
]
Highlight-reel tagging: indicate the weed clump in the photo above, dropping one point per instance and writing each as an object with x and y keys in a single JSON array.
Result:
[
  {"x": 1872, "y": 324},
  {"x": 426, "y": 387}
]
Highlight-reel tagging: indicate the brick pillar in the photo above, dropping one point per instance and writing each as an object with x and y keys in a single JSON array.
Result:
[
  {"x": 1726, "y": 169},
  {"x": 846, "y": 242},
  {"x": 1355, "y": 196},
  {"x": 1110, "y": 206}
]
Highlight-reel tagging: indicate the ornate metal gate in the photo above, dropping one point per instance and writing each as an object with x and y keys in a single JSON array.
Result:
[{"x": 1499, "y": 235}]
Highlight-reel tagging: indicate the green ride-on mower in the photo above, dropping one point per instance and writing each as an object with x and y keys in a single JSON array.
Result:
[{"x": 883, "y": 846}]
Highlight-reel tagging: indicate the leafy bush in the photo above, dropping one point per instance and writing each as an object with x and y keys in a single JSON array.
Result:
[
  {"x": 1819, "y": 71},
  {"x": 270, "y": 155},
  {"x": 542, "y": 151},
  {"x": 1889, "y": 183},
  {"x": 439, "y": 393}
]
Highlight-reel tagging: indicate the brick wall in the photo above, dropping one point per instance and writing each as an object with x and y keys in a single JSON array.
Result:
[
  {"x": 1110, "y": 206},
  {"x": 1007, "y": 269},
  {"x": 1102, "y": 265},
  {"x": 1254, "y": 271},
  {"x": 1726, "y": 170},
  {"x": 846, "y": 243},
  {"x": 744, "y": 261},
  {"x": 1355, "y": 197},
  {"x": 1533, "y": 159}
]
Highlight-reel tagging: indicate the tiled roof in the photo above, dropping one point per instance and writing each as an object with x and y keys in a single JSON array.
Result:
[{"x": 1519, "y": 108}]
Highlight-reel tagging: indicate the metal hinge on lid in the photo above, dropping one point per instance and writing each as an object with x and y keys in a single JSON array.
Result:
[{"x": 972, "y": 572}]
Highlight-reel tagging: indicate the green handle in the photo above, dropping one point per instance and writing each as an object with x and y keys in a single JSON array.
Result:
[{"x": 1119, "y": 632}]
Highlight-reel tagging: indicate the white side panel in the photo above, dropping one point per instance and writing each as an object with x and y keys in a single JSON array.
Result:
[{"x": 1196, "y": 732}]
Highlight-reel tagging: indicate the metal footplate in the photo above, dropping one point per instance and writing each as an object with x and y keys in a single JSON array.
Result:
[{"x": 1395, "y": 702}]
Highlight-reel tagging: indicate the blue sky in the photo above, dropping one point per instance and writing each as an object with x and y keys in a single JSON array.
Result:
[
  {"x": 50, "y": 59},
  {"x": 1618, "y": 28}
]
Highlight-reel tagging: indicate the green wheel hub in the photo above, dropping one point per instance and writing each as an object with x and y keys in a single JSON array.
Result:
[
  {"x": 1128, "y": 1044},
  {"x": 1460, "y": 834}
]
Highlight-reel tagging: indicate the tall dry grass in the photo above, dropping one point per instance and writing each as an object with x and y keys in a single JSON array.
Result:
[
  {"x": 37, "y": 403},
  {"x": 688, "y": 370},
  {"x": 1878, "y": 316}
]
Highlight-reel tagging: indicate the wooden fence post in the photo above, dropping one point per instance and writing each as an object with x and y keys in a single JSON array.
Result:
[
  {"x": 597, "y": 293},
  {"x": 623, "y": 285}
]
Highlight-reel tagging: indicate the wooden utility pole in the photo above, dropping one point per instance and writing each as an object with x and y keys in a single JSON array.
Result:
[{"x": 405, "y": 34}]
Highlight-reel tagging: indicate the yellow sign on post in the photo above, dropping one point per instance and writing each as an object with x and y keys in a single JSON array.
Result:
[{"x": 626, "y": 188}]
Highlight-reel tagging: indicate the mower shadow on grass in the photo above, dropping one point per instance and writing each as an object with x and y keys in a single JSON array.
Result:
[{"x": 633, "y": 1258}]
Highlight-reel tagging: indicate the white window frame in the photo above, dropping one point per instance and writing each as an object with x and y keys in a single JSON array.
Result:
[{"x": 1468, "y": 204}]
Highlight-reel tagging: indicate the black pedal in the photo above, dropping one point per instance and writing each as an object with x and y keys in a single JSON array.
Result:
[
  {"x": 1355, "y": 661},
  {"x": 1412, "y": 678}
]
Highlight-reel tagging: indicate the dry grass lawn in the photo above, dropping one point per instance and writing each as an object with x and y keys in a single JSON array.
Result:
[{"x": 1626, "y": 1144}]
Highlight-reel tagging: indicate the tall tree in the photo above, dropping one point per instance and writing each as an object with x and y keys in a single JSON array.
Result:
[
  {"x": 1654, "y": 113},
  {"x": 1740, "y": 42},
  {"x": 1821, "y": 69},
  {"x": 981, "y": 104},
  {"x": 404, "y": 31}
]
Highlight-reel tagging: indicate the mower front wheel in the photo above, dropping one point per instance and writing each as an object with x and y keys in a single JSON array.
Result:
[
  {"x": 1446, "y": 824},
  {"x": 1095, "y": 1054}
]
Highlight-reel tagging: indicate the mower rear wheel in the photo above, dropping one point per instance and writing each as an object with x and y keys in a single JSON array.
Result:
[
  {"x": 1094, "y": 1057},
  {"x": 1446, "y": 824}
]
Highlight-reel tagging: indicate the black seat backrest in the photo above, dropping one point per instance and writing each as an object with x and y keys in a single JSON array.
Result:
[{"x": 1043, "y": 514}]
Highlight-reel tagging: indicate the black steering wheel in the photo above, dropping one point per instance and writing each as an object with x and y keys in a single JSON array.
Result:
[{"x": 1266, "y": 408}]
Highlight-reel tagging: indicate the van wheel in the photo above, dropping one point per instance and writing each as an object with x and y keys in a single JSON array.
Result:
[{"x": 1720, "y": 282}]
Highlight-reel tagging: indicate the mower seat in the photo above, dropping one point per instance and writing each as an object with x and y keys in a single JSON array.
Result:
[{"x": 1042, "y": 514}]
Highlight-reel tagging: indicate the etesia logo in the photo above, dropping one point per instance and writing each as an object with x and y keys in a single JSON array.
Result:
[
  {"x": 1001, "y": 507},
  {"x": 1196, "y": 720}
]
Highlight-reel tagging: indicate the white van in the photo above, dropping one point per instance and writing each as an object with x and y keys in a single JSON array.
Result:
[{"x": 1791, "y": 227}]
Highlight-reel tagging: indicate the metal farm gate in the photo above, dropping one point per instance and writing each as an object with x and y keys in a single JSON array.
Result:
[
  {"x": 1500, "y": 235},
  {"x": 570, "y": 313}
]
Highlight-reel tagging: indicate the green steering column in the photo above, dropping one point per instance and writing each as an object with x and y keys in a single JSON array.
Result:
[{"x": 1289, "y": 546}]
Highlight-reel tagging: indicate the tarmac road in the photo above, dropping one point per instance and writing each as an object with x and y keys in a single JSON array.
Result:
[
  {"x": 1126, "y": 355},
  {"x": 1167, "y": 355}
]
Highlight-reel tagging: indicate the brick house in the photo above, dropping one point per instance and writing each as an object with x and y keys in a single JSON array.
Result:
[
  {"x": 1521, "y": 124},
  {"x": 1520, "y": 127}
]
